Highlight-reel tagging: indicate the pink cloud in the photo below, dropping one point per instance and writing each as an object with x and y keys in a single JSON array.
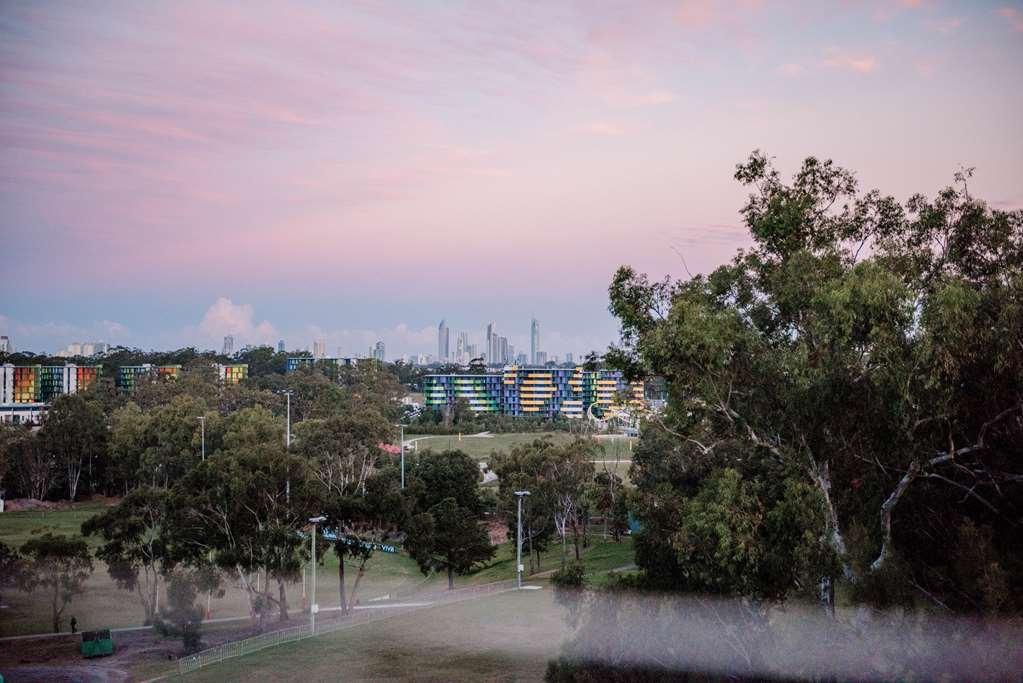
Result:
[
  {"x": 791, "y": 70},
  {"x": 1013, "y": 16},
  {"x": 949, "y": 25},
  {"x": 862, "y": 63},
  {"x": 603, "y": 128}
]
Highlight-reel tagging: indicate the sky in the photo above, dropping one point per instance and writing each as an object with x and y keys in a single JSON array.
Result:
[{"x": 174, "y": 172}]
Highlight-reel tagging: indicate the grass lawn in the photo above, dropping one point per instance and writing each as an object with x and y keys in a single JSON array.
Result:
[
  {"x": 105, "y": 605},
  {"x": 480, "y": 447},
  {"x": 509, "y": 636},
  {"x": 600, "y": 557},
  {"x": 18, "y": 527}
]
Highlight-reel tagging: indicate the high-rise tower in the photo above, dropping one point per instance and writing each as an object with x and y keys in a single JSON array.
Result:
[
  {"x": 534, "y": 340},
  {"x": 443, "y": 342}
]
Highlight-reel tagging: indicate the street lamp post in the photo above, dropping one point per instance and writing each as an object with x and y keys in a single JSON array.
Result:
[
  {"x": 202, "y": 428},
  {"x": 312, "y": 605},
  {"x": 518, "y": 539},
  {"x": 287, "y": 444}
]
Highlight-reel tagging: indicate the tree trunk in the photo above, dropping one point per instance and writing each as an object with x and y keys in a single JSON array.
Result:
[
  {"x": 564, "y": 550},
  {"x": 355, "y": 586},
  {"x": 530, "y": 553},
  {"x": 56, "y": 611},
  {"x": 451, "y": 577},
  {"x": 283, "y": 604},
  {"x": 575, "y": 538},
  {"x": 341, "y": 583}
]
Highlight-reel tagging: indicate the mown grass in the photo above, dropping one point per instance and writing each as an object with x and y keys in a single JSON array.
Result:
[
  {"x": 508, "y": 636},
  {"x": 103, "y": 604},
  {"x": 18, "y": 527}
]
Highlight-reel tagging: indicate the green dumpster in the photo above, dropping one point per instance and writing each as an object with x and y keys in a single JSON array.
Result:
[{"x": 97, "y": 643}]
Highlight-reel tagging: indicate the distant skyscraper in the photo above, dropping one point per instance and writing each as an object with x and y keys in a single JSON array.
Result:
[
  {"x": 228, "y": 345},
  {"x": 462, "y": 348},
  {"x": 534, "y": 341},
  {"x": 491, "y": 343},
  {"x": 280, "y": 346},
  {"x": 541, "y": 358},
  {"x": 5, "y": 344},
  {"x": 378, "y": 351},
  {"x": 320, "y": 348},
  {"x": 502, "y": 350},
  {"x": 443, "y": 342},
  {"x": 568, "y": 358}
]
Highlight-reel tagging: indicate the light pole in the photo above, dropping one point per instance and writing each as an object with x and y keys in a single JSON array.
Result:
[
  {"x": 312, "y": 605},
  {"x": 518, "y": 540},
  {"x": 287, "y": 443},
  {"x": 202, "y": 428}
]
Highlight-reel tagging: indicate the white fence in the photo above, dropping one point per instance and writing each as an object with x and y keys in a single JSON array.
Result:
[{"x": 325, "y": 624}]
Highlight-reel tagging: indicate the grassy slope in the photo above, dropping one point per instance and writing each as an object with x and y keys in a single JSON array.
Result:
[
  {"x": 18, "y": 527},
  {"x": 509, "y": 636},
  {"x": 105, "y": 605}
]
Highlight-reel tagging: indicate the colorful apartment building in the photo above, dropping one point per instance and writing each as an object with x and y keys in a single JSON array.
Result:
[
  {"x": 232, "y": 374},
  {"x": 524, "y": 391},
  {"x": 43, "y": 383},
  {"x": 27, "y": 390},
  {"x": 128, "y": 376},
  {"x": 482, "y": 392},
  {"x": 296, "y": 362}
]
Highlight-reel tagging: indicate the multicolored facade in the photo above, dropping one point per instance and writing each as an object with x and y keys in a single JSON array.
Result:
[
  {"x": 482, "y": 392},
  {"x": 43, "y": 383},
  {"x": 27, "y": 390},
  {"x": 232, "y": 374},
  {"x": 128, "y": 376},
  {"x": 296, "y": 362},
  {"x": 524, "y": 391}
]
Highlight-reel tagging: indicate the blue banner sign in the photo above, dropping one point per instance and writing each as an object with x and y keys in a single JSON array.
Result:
[{"x": 331, "y": 535}]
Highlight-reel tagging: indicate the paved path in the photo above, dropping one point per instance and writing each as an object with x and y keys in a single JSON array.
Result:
[{"x": 220, "y": 620}]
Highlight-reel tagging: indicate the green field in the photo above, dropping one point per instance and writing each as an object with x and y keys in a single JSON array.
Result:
[
  {"x": 18, "y": 527},
  {"x": 508, "y": 636},
  {"x": 481, "y": 447},
  {"x": 105, "y": 605}
]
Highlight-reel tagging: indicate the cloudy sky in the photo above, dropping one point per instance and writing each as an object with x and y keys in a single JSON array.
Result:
[{"x": 173, "y": 172}]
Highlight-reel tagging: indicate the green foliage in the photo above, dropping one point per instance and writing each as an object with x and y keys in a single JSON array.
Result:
[
  {"x": 826, "y": 379},
  {"x": 434, "y": 477},
  {"x": 57, "y": 565},
  {"x": 135, "y": 542},
  {"x": 182, "y": 618},
  {"x": 448, "y": 537},
  {"x": 11, "y": 567},
  {"x": 74, "y": 432}
]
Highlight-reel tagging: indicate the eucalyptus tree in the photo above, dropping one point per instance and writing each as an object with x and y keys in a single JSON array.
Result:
[{"x": 854, "y": 375}]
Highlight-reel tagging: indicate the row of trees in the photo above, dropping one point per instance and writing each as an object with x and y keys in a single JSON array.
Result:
[
  {"x": 242, "y": 510},
  {"x": 566, "y": 487},
  {"x": 103, "y": 441}
]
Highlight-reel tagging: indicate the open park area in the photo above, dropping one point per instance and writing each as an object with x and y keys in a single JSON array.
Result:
[{"x": 390, "y": 580}]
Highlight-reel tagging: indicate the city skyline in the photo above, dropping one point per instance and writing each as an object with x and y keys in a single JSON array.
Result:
[{"x": 210, "y": 183}]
